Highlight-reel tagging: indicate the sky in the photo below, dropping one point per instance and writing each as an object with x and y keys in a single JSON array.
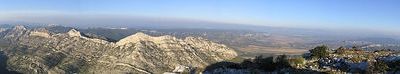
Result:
[{"x": 379, "y": 15}]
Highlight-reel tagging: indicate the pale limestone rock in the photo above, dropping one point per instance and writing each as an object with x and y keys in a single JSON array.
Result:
[
  {"x": 40, "y": 34},
  {"x": 2, "y": 29},
  {"x": 17, "y": 31},
  {"x": 143, "y": 37},
  {"x": 20, "y": 27},
  {"x": 138, "y": 53},
  {"x": 74, "y": 33}
]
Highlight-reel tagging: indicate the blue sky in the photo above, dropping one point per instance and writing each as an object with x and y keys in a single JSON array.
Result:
[{"x": 380, "y": 15}]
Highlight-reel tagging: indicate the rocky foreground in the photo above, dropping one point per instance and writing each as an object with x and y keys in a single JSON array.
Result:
[
  {"x": 40, "y": 51},
  {"x": 319, "y": 60}
]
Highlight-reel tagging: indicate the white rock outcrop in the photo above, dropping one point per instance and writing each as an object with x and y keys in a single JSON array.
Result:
[
  {"x": 138, "y": 53},
  {"x": 74, "y": 33}
]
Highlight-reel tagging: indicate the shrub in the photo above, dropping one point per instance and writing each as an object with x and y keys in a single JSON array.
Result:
[
  {"x": 356, "y": 59},
  {"x": 282, "y": 61},
  {"x": 341, "y": 50},
  {"x": 296, "y": 61},
  {"x": 266, "y": 63},
  {"x": 378, "y": 67},
  {"x": 319, "y": 52}
]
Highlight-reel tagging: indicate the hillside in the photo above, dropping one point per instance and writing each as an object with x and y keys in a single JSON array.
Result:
[
  {"x": 320, "y": 60},
  {"x": 39, "y": 50}
]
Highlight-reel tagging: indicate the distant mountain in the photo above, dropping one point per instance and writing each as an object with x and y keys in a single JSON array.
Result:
[{"x": 40, "y": 50}]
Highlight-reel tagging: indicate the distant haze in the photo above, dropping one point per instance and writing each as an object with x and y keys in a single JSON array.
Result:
[
  {"x": 365, "y": 15},
  {"x": 90, "y": 20}
]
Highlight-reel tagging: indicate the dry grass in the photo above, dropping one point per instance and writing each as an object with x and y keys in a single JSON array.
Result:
[{"x": 270, "y": 50}]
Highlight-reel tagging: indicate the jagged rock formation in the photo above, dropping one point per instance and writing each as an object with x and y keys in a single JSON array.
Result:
[
  {"x": 40, "y": 32},
  {"x": 2, "y": 32},
  {"x": 42, "y": 51},
  {"x": 16, "y": 32},
  {"x": 74, "y": 33},
  {"x": 2, "y": 29}
]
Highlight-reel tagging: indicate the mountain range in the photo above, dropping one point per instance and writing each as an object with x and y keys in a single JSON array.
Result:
[{"x": 40, "y": 50}]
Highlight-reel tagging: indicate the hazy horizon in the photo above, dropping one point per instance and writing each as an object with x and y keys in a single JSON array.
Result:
[{"x": 368, "y": 15}]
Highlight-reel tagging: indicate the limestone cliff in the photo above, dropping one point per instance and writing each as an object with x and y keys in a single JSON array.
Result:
[{"x": 42, "y": 51}]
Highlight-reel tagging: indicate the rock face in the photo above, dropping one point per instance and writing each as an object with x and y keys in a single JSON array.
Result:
[
  {"x": 41, "y": 51},
  {"x": 74, "y": 33},
  {"x": 2, "y": 29}
]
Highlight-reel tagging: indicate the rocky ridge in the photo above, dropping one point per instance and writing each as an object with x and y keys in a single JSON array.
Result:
[{"x": 42, "y": 51}]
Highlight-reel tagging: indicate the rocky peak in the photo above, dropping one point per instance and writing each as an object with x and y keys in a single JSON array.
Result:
[
  {"x": 19, "y": 27},
  {"x": 74, "y": 33},
  {"x": 63, "y": 52},
  {"x": 134, "y": 38},
  {"x": 2, "y": 29},
  {"x": 42, "y": 32},
  {"x": 17, "y": 31},
  {"x": 140, "y": 35}
]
